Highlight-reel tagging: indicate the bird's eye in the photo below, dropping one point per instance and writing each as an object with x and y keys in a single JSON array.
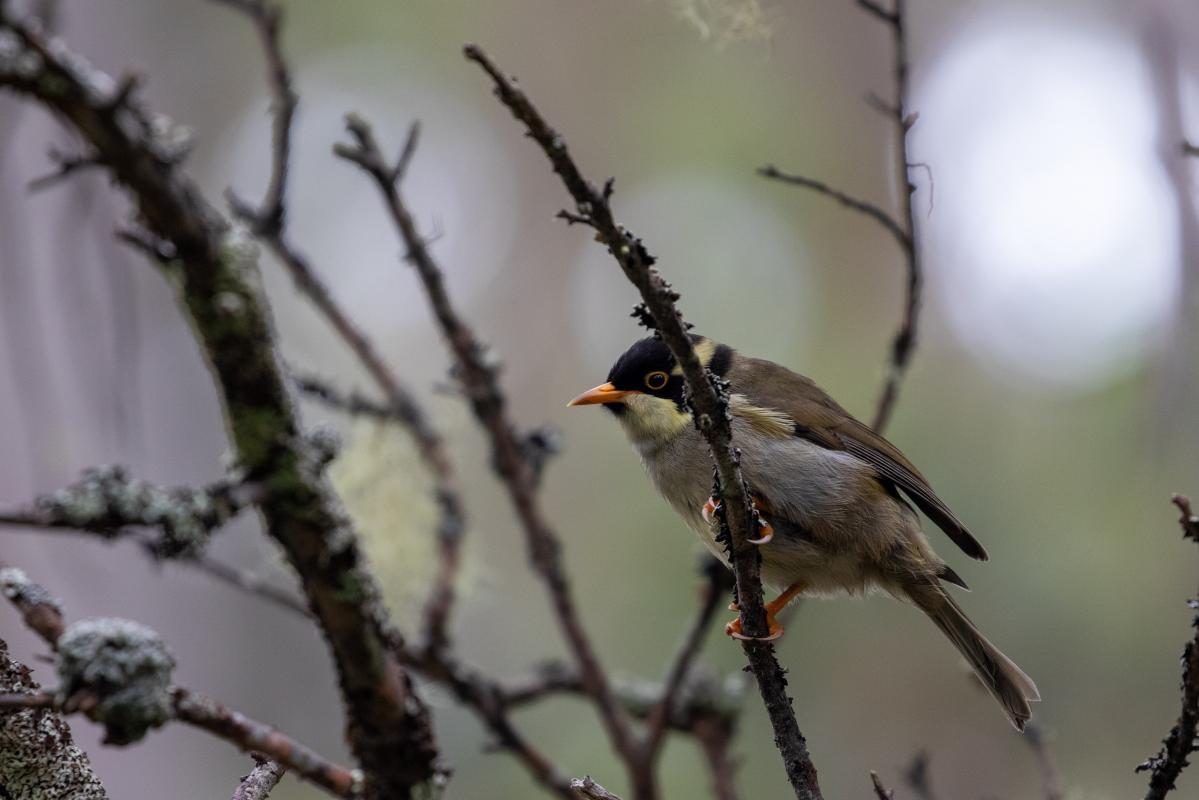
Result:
[{"x": 656, "y": 380}]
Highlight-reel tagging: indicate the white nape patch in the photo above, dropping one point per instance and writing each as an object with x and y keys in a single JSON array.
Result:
[
  {"x": 767, "y": 421},
  {"x": 704, "y": 350}
]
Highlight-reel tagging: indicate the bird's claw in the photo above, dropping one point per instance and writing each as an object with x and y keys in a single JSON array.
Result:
[
  {"x": 767, "y": 530},
  {"x": 733, "y": 629}
]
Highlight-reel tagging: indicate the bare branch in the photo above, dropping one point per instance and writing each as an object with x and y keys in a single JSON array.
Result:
[
  {"x": 861, "y": 206},
  {"x": 1165, "y": 767},
  {"x": 714, "y": 588},
  {"x": 261, "y": 781},
  {"x": 487, "y": 700},
  {"x": 247, "y": 581},
  {"x": 479, "y": 379},
  {"x": 267, "y": 19},
  {"x": 709, "y": 408},
  {"x": 254, "y": 737}
]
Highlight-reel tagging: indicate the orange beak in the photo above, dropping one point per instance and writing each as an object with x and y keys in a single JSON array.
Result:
[{"x": 604, "y": 393}]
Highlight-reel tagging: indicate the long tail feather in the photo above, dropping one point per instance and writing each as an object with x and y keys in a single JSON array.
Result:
[{"x": 1006, "y": 682}]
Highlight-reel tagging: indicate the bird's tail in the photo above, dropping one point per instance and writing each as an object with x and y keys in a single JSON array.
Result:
[{"x": 1006, "y": 682}]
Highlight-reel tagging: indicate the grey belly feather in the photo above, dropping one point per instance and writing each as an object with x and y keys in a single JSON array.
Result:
[{"x": 826, "y": 534}]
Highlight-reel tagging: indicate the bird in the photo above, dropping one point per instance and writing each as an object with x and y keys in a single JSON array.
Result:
[{"x": 834, "y": 499}]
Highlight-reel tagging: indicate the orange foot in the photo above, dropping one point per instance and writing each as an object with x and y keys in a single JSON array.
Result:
[
  {"x": 765, "y": 528},
  {"x": 773, "y": 608}
]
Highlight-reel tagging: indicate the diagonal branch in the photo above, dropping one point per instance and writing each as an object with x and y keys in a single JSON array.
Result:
[
  {"x": 479, "y": 379},
  {"x": 709, "y": 407}
]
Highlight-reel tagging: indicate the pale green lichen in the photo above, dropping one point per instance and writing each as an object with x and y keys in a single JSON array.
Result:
[{"x": 126, "y": 667}]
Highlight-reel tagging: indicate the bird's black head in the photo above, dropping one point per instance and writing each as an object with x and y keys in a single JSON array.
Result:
[{"x": 648, "y": 370}]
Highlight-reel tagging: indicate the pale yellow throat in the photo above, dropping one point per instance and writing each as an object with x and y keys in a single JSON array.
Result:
[{"x": 653, "y": 419}]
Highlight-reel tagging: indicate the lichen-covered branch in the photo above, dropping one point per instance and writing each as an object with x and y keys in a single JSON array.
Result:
[
  {"x": 38, "y": 758},
  {"x": 106, "y": 501},
  {"x": 708, "y": 404},
  {"x": 118, "y": 673},
  {"x": 216, "y": 276},
  {"x": 1165, "y": 767},
  {"x": 479, "y": 379}
]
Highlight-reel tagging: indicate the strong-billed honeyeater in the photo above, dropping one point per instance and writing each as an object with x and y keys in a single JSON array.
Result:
[{"x": 833, "y": 495}]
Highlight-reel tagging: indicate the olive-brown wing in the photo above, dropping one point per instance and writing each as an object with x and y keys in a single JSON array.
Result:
[{"x": 819, "y": 419}]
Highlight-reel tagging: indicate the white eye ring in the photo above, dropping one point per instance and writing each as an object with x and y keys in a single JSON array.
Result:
[{"x": 656, "y": 380}]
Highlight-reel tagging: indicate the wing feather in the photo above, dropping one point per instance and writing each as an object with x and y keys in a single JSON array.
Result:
[{"x": 829, "y": 425}]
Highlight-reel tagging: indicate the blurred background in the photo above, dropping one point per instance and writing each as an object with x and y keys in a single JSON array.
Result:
[{"x": 1051, "y": 401}]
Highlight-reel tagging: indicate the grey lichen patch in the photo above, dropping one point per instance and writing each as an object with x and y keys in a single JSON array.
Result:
[
  {"x": 38, "y": 760},
  {"x": 18, "y": 589},
  {"x": 107, "y": 499},
  {"x": 124, "y": 668}
]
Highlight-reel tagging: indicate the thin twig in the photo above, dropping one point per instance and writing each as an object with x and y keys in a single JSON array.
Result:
[
  {"x": 1165, "y": 767},
  {"x": 247, "y": 581},
  {"x": 261, "y": 781},
  {"x": 252, "y": 736},
  {"x": 352, "y": 403},
  {"x": 861, "y": 206},
  {"x": 710, "y": 595},
  {"x": 902, "y": 226},
  {"x": 480, "y": 382},
  {"x": 903, "y": 344},
  {"x": 67, "y": 166},
  {"x": 709, "y": 409},
  {"x": 486, "y": 699},
  {"x": 267, "y": 19},
  {"x": 880, "y": 791}
]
